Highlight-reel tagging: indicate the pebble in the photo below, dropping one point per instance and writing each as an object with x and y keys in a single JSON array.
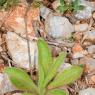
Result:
[
  {"x": 81, "y": 27},
  {"x": 58, "y": 27},
  {"x": 89, "y": 62},
  {"x": 91, "y": 49},
  {"x": 88, "y": 91},
  {"x": 44, "y": 12},
  {"x": 86, "y": 13},
  {"x": 90, "y": 35}
]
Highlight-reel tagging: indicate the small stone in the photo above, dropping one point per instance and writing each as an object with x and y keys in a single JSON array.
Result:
[
  {"x": 88, "y": 91},
  {"x": 90, "y": 35},
  {"x": 58, "y": 26},
  {"x": 81, "y": 27},
  {"x": 44, "y": 12},
  {"x": 86, "y": 13},
  {"x": 91, "y": 49},
  {"x": 89, "y": 62}
]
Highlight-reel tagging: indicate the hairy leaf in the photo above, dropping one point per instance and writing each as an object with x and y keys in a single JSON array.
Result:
[
  {"x": 54, "y": 67},
  {"x": 20, "y": 79},
  {"x": 66, "y": 77},
  {"x": 57, "y": 92},
  {"x": 41, "y": 79},
  {"x": 44, "y": 55}
]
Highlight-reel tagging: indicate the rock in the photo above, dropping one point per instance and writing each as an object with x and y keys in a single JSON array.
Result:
[
  {"x": 81, "y": 27},
  {"x": 91, "y": 49},
  {"x": 90, "y": 35},
  {"x": 78, "y": 51},
  {"x": 86, "y": 13},
  {"x": 5, "y": 84},
  {"x": 58, "y": 26},
  {"x": 16, "y": 20},
  {"x": 88, "y": 91},
  {"x": 18, "y": 50},
  {"x": 89, "y": 62},
  {"x": 44, "y": 12}
]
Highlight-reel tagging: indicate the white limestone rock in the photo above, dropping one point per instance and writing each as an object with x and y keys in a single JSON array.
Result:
[
  {"x": 91, "y": 49},
  {"x": 5, "y": 84},
  {"x": 90, "y": 35},
  {"x": 58, "y": 26},
  {"x": 88, "y": 91},
  {"x": 44, "y": 11},
  {"x": 18, "y": 50},
  {"x": 81, "y": 27}
]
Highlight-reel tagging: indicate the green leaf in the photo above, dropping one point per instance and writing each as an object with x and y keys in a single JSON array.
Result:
[
  {"x": 57, "y": 92},
  {"x": 41, "y": 78},
  {"x": 62, "y": 2},
  {"x": 76, "y": 6},
  {"x": 21, "y": 79},
  {"x": 54, "y": 67},
  {"x": 27, "y": 94},
  {"x": 44, "y": 55},
  {"x": 66, "y": 77}
]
